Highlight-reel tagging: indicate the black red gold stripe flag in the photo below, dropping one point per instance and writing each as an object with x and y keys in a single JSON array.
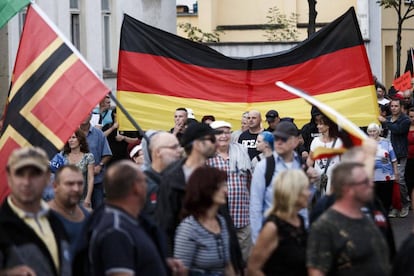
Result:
[
  {"x": 52, "y": 91},
  {"x": 159, "y": 71}
]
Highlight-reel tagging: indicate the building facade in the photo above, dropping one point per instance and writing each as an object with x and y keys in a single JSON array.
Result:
[
  {"x": 244, "y": 27},
  {"x": 94, "y": 28}
]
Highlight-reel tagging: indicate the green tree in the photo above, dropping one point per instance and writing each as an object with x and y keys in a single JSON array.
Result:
[
  {"x": 279, "y": 27},
  {"x": 196, "y": 34},
  {"x": 404, "y": 12}
]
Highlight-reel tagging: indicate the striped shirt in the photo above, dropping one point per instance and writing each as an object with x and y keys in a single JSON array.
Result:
[
  {"x": 200, "y": 249},
  {"x": 238, "y": 183}
]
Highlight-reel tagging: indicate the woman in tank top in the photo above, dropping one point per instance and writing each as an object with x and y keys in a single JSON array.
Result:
[{"x": 280, "y": 248}]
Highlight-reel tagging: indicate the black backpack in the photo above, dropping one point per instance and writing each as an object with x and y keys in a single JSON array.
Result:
[{"x": 270, "y": 168}]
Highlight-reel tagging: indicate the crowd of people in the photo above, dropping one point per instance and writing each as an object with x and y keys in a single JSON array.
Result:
[{"x": 205, "y": 198}]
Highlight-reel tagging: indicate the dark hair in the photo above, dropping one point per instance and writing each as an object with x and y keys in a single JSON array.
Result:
[
  {"x": 71, "y": 167},
  {"x": 397, "y": 100},
  {"x": 201, "y": 186},
  {"x": 83, "y": 143},
  {"x": 181, "y": 109},
  {"x": 333, "y": 127},
  {"x": 119, "y": 179},
  {"x": 208, "y": 117}
]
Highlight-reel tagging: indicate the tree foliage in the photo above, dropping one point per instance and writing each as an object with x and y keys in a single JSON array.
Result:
[
  {"x": 404, "y": 12},
  {"x": 279, "y": 27},
  {"x": 196, "y": 34}
]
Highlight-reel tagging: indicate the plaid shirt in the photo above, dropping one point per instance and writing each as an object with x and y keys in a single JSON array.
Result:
[{"x": 238, "y": 183}]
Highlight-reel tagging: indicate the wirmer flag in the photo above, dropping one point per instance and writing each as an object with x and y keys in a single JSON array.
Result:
[
  {"x": 52, "y": 91},
  {"x": 158, "y": 72}
]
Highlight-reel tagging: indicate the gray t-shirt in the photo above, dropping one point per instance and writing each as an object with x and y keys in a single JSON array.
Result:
[{"x": 339, "y": 245}]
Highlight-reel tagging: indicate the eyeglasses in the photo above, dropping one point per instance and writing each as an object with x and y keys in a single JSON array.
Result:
[
  {"x": 212, "y": 139},
  {"x": 366, "y": 181},
  {"x": 224, "y": 132},
  {"x": 172, "y": 147},
  {"x": 284, "y": 139}
]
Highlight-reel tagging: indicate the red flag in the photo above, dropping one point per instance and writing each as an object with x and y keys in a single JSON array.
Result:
[
  {"x": 52, "y": 91},
  {"x": 403, "y": 83}
]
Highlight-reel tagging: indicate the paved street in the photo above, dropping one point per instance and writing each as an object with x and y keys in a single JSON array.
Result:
[{"x": 402, "y": 227}]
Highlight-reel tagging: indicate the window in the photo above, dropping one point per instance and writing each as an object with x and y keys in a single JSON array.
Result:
[
  {"x": 22, "y": 19},
  {"x": 75, "y": 23},
  {"x": 106, "y": 34}
]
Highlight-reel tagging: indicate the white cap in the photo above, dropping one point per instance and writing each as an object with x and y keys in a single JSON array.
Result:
[
  {"x": 190, "y": 113},
  {"x": 134, "y": 150},
  {"x": 219, "y": 124}
]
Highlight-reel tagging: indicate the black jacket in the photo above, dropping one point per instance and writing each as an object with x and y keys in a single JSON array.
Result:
[
  {"x": 399, "y": 131},
  {"x": 169, "y": 207},
  {"x": 20, "y": 245}
]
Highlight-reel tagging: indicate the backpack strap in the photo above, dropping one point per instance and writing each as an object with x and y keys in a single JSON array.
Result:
[{"x": 270, "y": 168}]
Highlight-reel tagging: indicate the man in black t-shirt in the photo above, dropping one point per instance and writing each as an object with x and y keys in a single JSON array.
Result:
[{"x": 248, "y": 138}]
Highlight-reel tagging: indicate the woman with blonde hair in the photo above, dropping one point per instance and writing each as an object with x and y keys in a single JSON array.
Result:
[{"x": 280, "y": 248}]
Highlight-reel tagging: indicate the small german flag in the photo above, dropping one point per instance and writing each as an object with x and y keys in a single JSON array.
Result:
[{"x": 159, "y": 71}]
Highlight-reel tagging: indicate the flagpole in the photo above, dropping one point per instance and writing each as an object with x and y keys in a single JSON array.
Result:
[{"x": 129, "y": 117}]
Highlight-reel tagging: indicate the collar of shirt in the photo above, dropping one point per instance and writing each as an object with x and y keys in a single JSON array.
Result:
[
  {"x": 44, "y": 210},
  {"x": 296, "y": 158}
]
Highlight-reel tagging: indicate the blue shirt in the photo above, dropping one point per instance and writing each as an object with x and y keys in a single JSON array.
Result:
[
  {"x": 261, "y": 197},
  {"x": 99, "y": 147}
]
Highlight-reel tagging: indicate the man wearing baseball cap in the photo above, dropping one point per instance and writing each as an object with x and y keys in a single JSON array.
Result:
[
  {"x": 261, "y": 195},
  {"x": 199, "y": 143},
  {"x": 32, "y": 239},
  {"x": 272, "y": 118}
]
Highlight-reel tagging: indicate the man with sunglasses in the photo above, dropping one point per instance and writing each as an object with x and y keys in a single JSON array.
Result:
[
  {"x": 344, "y": 240},
  {"x": 199, "y": 143},
  {"x": 285, "y": 156},
  {"x": 164, "y": 150}
]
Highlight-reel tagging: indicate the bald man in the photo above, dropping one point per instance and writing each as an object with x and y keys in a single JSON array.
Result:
[
  {"x": 164, "y": 149},
  {"x": 248, "y": 138}
]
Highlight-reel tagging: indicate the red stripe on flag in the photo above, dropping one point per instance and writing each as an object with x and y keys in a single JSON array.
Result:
[
  {"x": 38, "y": 31},
  {"x": 337, "y": 71},
  {"x": 77, "y": 87}
]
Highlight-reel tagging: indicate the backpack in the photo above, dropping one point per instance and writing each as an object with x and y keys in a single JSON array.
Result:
[{"x": 270, "y": 168}]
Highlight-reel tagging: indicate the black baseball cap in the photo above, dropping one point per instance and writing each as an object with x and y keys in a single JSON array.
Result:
[
  {"x": 271, "y": 115},
  {"x": 196, "y": 131},
  {"x": 286, "y": 129}
]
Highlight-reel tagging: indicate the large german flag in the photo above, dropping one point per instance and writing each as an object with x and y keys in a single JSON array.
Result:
[
  {"x": 158, "y": 72},
  {"x": 52, "y": 91}
]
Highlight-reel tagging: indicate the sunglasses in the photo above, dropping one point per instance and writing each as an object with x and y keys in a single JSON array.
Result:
[
  {"x": 212, "y": 139},
  {"x": 284, "y": 139}
]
